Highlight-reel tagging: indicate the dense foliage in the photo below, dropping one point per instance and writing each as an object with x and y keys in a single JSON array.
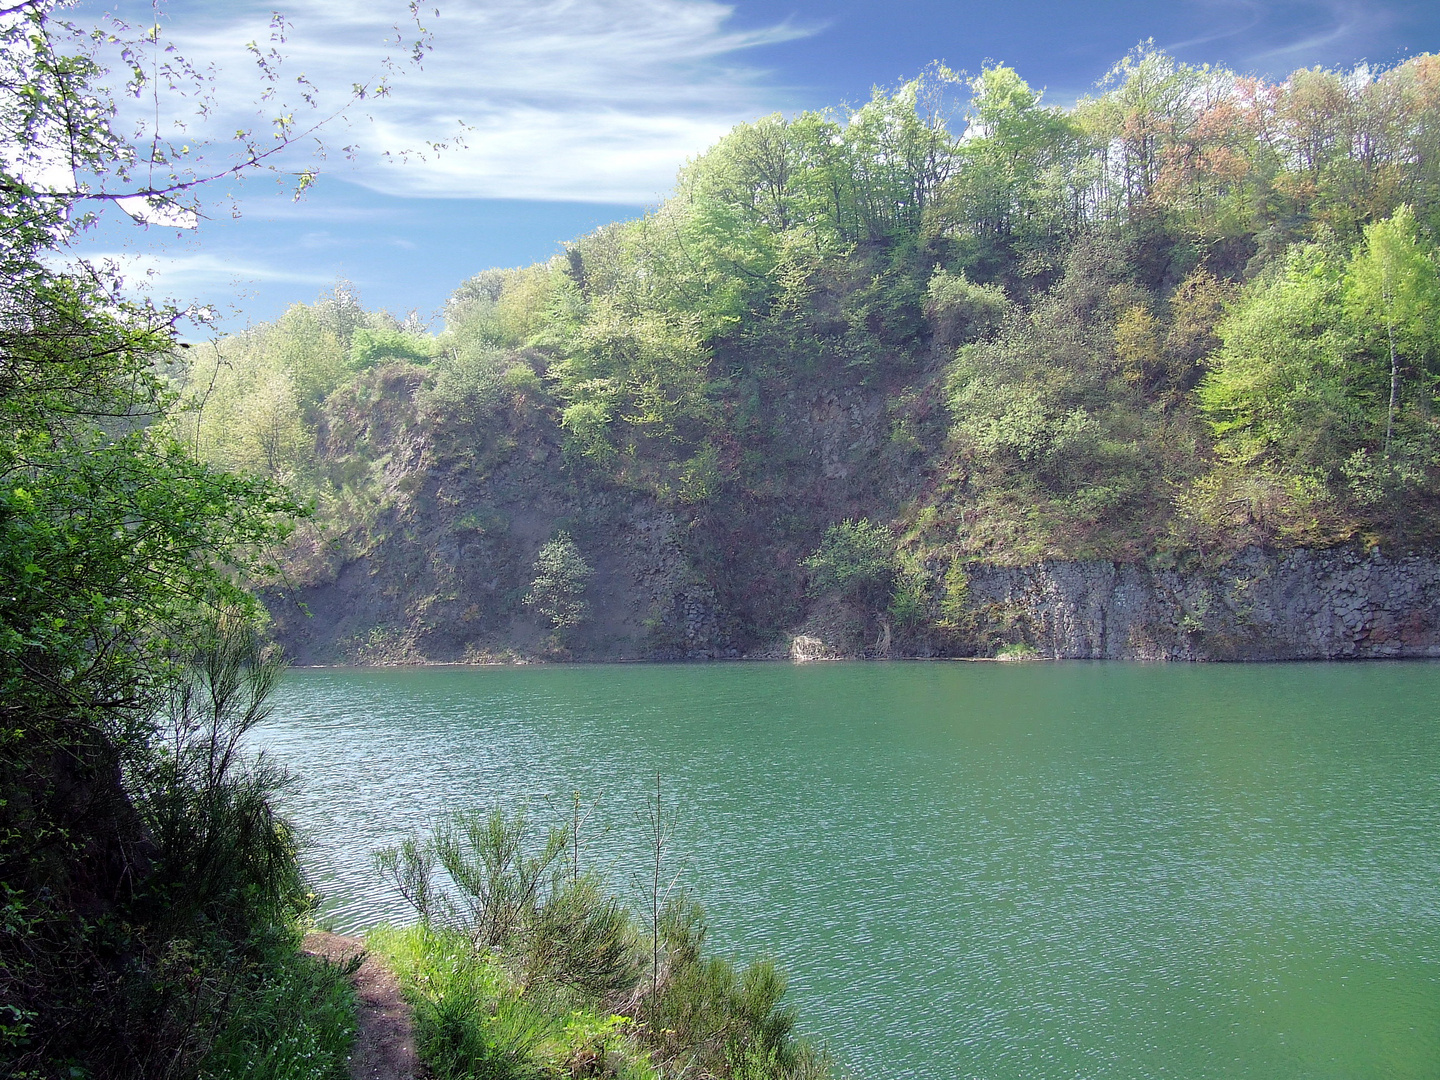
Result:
[
  {"x": 149, "y": 890},
  {"x": 1193, "y": 313}
]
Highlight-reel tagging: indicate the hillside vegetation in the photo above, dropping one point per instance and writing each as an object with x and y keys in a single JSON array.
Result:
[{"x": 855, "y": 352}]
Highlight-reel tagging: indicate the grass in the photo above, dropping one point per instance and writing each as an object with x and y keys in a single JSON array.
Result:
[
  {"x": 292, "y": 1018},
  {"x": 474, "y": 1019}
]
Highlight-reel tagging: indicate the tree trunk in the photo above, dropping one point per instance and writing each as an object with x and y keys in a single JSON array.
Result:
[{"x": 1394, "y": 390}]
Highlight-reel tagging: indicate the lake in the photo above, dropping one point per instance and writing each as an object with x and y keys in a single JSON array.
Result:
[{"x": 968, "y": 870}]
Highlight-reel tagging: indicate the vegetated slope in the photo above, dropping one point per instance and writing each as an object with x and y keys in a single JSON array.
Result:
[{"x": 850, "y": 360}]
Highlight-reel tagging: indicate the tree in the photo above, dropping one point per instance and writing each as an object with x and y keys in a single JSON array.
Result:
[
  {"x": 1392, "y": 287},
  {"x": 561, "y": 574},
  {"x": 1281, "y": 387},
  {"x": 60, "y": 118},
  {"x": 901, "y": 154},
  {"x": 118, "y": 548},
  {"x": 1295, "y": 380},
  {"x": 855, "y": 559},
  {"x": 1013, "y": 193},
  {"x": 1308, "y": 397},
  {"x": 307, "y": 351},
  {"x": 632, "y": 378}
]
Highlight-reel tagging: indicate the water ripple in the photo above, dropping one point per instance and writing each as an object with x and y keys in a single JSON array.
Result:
[{"x": 1050, "y": 871}]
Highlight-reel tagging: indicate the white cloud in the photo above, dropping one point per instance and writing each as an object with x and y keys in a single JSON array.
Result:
[
  {"x": 587, "y": 100},
  {"x": 184, "y": 275},
  {"x": 1277, "y": 37}
]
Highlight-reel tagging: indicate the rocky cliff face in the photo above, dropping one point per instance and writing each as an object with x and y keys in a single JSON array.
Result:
[
  {"x": 434, "y": 561},
  {"x": 1295, "y": 605},
  {"x": 435, "y": 564}
]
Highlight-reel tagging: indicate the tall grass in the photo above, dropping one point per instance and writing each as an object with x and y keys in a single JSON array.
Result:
[
  {"x": 475, "y": 1019},
  {"x": 293, "y": 1018}
]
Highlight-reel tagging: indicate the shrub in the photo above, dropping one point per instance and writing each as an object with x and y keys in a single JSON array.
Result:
[
  {"x": 561, "y": 574},
  {"x": 956, "y": 597},
  {"x": 711, "y": 1018},
  {"x": 369, "y": 347},
  {"x": 467, "y": 388},
  {"x": 190, "y": 960},
  {"x": 524, "y": 966},
  {"x": 1017, "y": 650},
  {"x": 509, "y": 896},
  {"x": 959, "y": 310},
  {"x": 855, "y": 559},
  {"x": 470, "y": 1017},
  {"x": 909, "y": 599},
  {"x": 223, "y": 853}
]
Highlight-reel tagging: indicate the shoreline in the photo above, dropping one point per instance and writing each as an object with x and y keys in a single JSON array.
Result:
[{"x": 432, "y": 664}]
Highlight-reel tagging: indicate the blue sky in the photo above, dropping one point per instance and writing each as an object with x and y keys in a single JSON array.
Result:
[{"x": 579, "y": 112}]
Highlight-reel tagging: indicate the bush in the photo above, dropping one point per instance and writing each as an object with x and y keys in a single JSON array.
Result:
[
  {"x": 224, "y": 856},
  {"x": 959, "y": 310},
  {"x": 954, "y": 602},
  {"x": 190, "y": 961},
  {"x": 369, "y": 346},
  {"x": 855, "y": 559},
  {"x": 561, "y": 574},
  {"x": 524, "y": 966},
  {"x": 909, "y": 599},
  {"x": 711, "y": 1018},
  {"x": 1017, "y": 650},
  {"x": 468, "y": 388},
  {"x": 509, "y": 896}
]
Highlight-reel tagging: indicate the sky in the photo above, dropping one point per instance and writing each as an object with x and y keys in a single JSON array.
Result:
[{"x": 575, "y": 113}]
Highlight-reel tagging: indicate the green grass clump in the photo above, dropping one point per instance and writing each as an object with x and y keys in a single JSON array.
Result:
[
  {"x": 473, "y": 1018},
  {"x": 293, "y": 1018}
]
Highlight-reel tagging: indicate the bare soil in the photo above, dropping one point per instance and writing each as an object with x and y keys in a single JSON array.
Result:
[{"x": 385, "y": 1041}]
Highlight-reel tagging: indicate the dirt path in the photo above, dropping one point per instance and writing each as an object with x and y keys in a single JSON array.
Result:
[{"x": 385, "y": 1043}]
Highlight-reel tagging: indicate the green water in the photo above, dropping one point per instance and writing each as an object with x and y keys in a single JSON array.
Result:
[{"x": 969, "y": 870}]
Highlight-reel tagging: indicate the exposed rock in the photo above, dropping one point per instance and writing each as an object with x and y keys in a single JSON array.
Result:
[
  {"x": 435, "y": 566},
  {"x": 1294, "y": 605},
  {"x": 804, "y": 649}
]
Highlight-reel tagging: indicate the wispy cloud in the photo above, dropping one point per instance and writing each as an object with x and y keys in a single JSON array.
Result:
[
  {"x": 1276, "y": 35},
  {"x": 189, "y": 274},
  {"x": 587, "y": 100},
  {"x": 1344, "y": 27}
]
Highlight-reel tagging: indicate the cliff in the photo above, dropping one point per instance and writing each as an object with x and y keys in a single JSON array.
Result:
[
  {"x": 1295, "y": 605},
  {"x": 431, "y": 558}
]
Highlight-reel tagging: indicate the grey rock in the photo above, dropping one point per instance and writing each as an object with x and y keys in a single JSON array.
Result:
[{"x": 1298, "y": 605}]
